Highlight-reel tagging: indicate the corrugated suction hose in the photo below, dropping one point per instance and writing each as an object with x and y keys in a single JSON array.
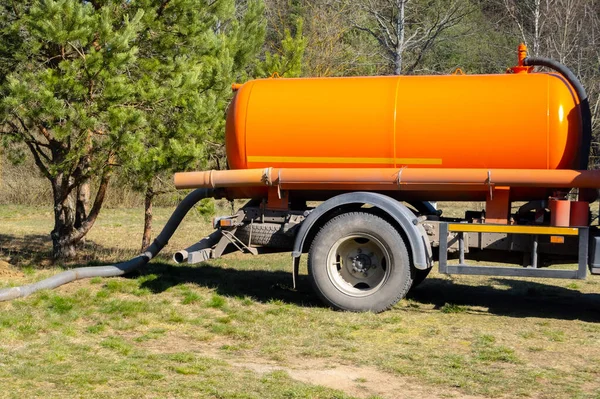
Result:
[{"x": 121, "y": 268}]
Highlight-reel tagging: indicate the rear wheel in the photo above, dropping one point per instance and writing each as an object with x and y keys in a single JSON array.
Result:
[{"x": 359, "y": 262}]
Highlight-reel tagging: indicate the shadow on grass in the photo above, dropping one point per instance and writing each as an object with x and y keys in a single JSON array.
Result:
[
  {"x": 261, "y": 285},
  {"x": 521, "y": 299},
  {"x": 35, "y": 250}
]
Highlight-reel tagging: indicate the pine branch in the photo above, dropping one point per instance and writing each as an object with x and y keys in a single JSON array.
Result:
[
  {"x": 38, "y": 161},
  {"x": 161, "y": 8}
]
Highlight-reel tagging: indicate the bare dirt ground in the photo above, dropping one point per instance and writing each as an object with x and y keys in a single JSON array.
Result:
[
  {"x": 360, "y": 382},
  {"x": 354, "y": 380},
  {"x": 8, "y": 271}
]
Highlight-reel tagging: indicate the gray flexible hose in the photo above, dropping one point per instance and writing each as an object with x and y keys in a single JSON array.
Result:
[{"x": 120, "y": 268}]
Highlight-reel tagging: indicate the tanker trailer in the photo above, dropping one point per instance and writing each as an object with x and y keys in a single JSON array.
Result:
[
  {"x": 373, "y": 151},
  {"x": 344, "y": 168}
]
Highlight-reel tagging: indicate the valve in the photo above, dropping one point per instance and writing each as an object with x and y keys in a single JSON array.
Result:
[{"x": 520, "y": 68}]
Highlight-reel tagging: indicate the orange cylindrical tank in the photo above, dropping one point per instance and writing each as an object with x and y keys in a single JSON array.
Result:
[{"x": 512, "y": 121}]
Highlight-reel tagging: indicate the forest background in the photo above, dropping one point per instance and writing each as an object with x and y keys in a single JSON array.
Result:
[{"x": 101, "y": 101}]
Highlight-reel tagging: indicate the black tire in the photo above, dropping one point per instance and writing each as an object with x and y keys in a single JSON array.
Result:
[
  {"x": 363, "y": 282},
  {"x": 265, "y": 235}
]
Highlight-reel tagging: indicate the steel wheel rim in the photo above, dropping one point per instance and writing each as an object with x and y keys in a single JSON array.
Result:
[{"x": 358, "y": 265}]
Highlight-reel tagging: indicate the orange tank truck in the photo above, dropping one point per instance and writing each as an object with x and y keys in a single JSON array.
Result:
[
  {"x": 377, "y": 150},
  {"x": 455, "y": 121}
]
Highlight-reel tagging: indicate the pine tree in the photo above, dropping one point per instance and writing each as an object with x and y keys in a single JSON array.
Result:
[
  {"x": 64, "y": 93},
  {"x": 287, "y": 59},
  {"x": 89, "y": 86},
  {"x": 190, "y": 53}
]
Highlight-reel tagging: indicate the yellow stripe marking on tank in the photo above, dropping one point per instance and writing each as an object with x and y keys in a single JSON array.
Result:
[
  {"x": 348, "y": 160},
  {"x": 490, "y": 228}
]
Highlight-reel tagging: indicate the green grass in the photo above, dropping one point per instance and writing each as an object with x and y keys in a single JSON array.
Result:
[
  {"x": 234, "y": 328},
  {"x": 451, "y": 308}
]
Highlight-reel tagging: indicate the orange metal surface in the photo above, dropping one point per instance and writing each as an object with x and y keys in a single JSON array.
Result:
[
  {"x": 389, "y": 179},
  {"x": 497, "y": 209},
  {"x": 513, "y": 121},
  {"x": 277, "y": 199},
  {"x": 219, "y": 178},
  {"x": 560, "y": 211},
  {"x": 580, "y": 214}
]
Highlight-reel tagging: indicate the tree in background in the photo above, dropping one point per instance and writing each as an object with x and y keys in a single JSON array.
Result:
[
  {"x": 476, "y": 42},
  {"x": 331, "y": 50},
  {"x": 90, "y": 86},
  {"x": 287, "y": 59},
  {"x": 190, "y": 52},
  {"x": 567, "y": 31},
  {"x": 529, "y": 17},
  {"x": 329, "y": 47},
  {"x": 285, "y": 44},
  {"x": 64, "y": 98},
  {"x": 406, "y": 30}
]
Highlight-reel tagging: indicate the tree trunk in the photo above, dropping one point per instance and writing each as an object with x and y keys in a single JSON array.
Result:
[
  {"x": 65, "y": 215},
  {"x": 82, "y": 206},
  {"x": 70, "y": 227},
  {"x": 400, "y": 32},
  {"x": 147, "y": 236},
  {"x": 537, "y": 31}
]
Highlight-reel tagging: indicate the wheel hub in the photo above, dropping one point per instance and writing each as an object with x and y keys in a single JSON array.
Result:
[
  {"x": 361, "y": 263},
  {"x": 358, "y": 264}
]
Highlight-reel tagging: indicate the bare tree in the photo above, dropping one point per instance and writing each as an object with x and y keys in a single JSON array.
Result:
[
  {"x": 565, "y": 35},
  {"x": 327, "y": 52},
  {"x": 407, "y": 29},
  {"x": 529, "y": 17},
  {"x": 569, "y": 32}
]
